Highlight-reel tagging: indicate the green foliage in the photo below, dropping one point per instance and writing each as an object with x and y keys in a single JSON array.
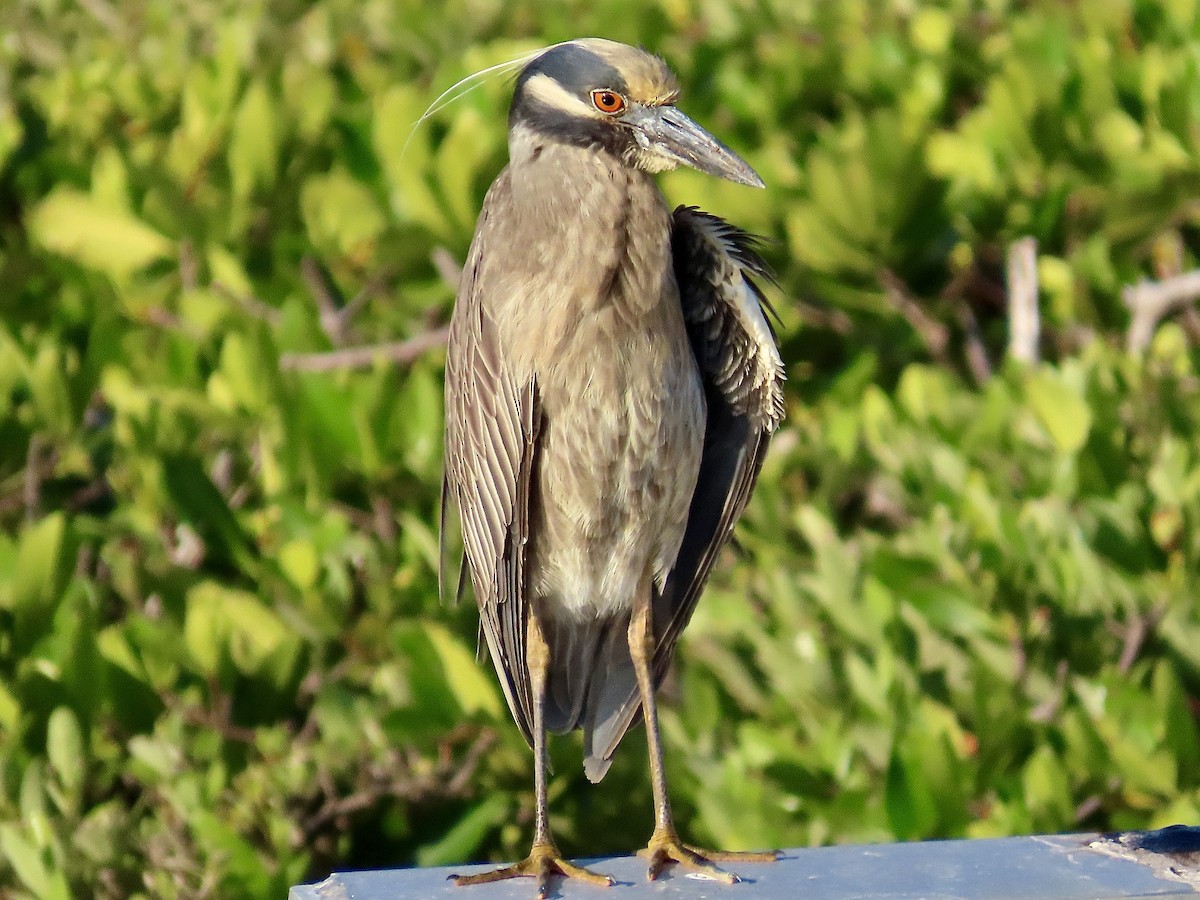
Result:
[
  {"x": 995, "y": 639},
  {"x": 956, "y": 608}
]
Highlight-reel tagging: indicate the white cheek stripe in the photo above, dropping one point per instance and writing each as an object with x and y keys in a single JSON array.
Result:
[{"x": 544, "y": 88}]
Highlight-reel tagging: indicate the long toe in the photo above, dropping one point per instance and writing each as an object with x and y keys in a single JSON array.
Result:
[
  {"x": 750, "y": 856},
  {"x": 666, "y": 848},
  {"x": 543, "y": 863}
]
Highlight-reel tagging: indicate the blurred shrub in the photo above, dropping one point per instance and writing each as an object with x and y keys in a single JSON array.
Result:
[{"x": 223, "y": 668}]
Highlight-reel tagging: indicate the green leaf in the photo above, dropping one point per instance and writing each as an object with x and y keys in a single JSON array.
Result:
[
  {"x": 64, "y": 746},
  {"x": 924, "y": 393},
  {"x": 458, "y": 159},
  {"x": 911, "y": 808},
  {"x": 253, "y": 142},
  {"x": 1061, "y": 410},
  {"x": 931, "y": 31},
  {"x": 340, "y": 213},
  {"x": 48, "y": 382},
  {"x": 1047, "y": 789},
  {"x": 222, "y": 623},
  {"x": 404, "y": 156},
  {"x": 10, "y": 711},
  {"x": 39, "y": 580},
  {"x": 244, "y": 866},
  {"x": 110, "y": 241},
  {"x": 204, "y": 631},
  {"x": 25, "y": 860},
  {"x": 464, "y": 839},
  {"x": 473, "y": 687},
  {"x": 299, "y": 562},
  {"x": 248, "y": 379},
  {"x": 154, "y": 759},
  {"x": 310, "y": 94},
  {"x": 203, "y": 507},
  {"x": 227, "y": 270},
  {"x": 11, "y": 131}
]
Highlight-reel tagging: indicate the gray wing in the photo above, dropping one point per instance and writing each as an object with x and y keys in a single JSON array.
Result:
[
  {"x": 715, "y": 264},
  {"x": 491, "y": 444}
]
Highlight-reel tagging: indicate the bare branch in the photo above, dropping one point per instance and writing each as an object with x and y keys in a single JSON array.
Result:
[
  {"x": 977, "y": 357},
  {"x": 447, "y": 267},
  {"x": 400, "y": 352},
  {"x": 1024, "y": 324},
  {"x": 1189, "y": 321},
  {"x": 252, "y": 305},
  {"x": 933, "y": 333},
  {"x": 106, "y": 14},
  {"x": 825, "y": 317},
  {"x": 168, "y": 321},
  {"x": 31, "y": 494},
  {"x": 328, "y": 298},
  {"x": 1135, "y": 635},
  {"x": 1150, "y": 301},
  {"x": 404, "y": 775},
  {"x": 189, "y": 265},
  {"x": 1049, "y": 708},
  {"x": 458, "y": 783},
  {"x": 336, "y": 313},
  {"x": 1088, "y": 807},
  {"x": 374, "y": 285}
]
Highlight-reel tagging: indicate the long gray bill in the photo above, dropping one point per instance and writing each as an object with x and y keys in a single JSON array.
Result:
[{"x": 665, "y": 130}]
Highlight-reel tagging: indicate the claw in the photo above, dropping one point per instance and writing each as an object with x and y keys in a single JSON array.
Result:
[
  {"x": 544, "y": 862},
  {"x": 665, "y": 848}
]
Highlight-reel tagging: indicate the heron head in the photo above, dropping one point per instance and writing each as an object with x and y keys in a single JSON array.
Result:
[{"x": 603, "y": 94}]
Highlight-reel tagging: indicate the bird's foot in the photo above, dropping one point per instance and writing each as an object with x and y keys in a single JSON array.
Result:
[
  {"x": 665, "y": 848},
  {"x": 544, "y": 862}
]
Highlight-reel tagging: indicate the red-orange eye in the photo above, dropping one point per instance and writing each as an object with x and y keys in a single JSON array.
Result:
[{"x": 608, "y": 102}]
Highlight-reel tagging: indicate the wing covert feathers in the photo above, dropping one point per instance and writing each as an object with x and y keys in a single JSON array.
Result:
[
  {"x": 491, "y": 446},
  {"x": 735, "y": 347}
]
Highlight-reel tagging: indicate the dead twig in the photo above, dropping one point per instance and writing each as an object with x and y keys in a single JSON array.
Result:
[
  {"x": 373, "y": 287},
  {"x": 252, "y": 305},
  {"x": 447, "y": 267},
  {"x": 977, "y": 357},
  {"x": 1135, "y": 636},
  {"x": 336, "y": 313},
  {"x": 31, "y": 494},
  {"x": 404, "y": 776},
  {"x": 1049, "y": 708},
  {"x": 1088, "y": 807},
  {"x": 399, "y": 352},
  {"x": 189, "y": 265},
  {"x": 1150, "y": 301},
  {"x": 933, "y": 333},
  {"x": 168, "y": 321},
  {"x": 824, "y": 317},
  {"x": 106, "y": 14},
  {"x": 328, "y": 298},
  {"x": 1189, "y": 321},
  {"x": 460, "y": 781},
  {"x": 1024, "y": 323}
]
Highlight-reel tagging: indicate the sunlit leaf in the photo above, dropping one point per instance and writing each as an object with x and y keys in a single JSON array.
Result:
[
  {"x": 1061, "y": 411},
  {"x": 97, "y": 237},
  {"x": 252, "y": 146}
]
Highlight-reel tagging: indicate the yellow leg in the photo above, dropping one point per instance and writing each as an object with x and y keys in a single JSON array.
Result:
[
  {"x": 665, "y": 847},
  {"x": 544, "y": 860}
]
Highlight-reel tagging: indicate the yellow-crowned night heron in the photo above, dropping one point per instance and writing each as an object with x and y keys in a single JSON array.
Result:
[{"x": 611, "y": 386}]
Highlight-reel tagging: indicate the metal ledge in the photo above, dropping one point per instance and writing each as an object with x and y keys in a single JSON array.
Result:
[{"x": 1164, "y": 863}]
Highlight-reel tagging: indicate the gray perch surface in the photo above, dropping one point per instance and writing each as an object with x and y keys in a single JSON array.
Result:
[{"x": 1065, "y": 867}]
